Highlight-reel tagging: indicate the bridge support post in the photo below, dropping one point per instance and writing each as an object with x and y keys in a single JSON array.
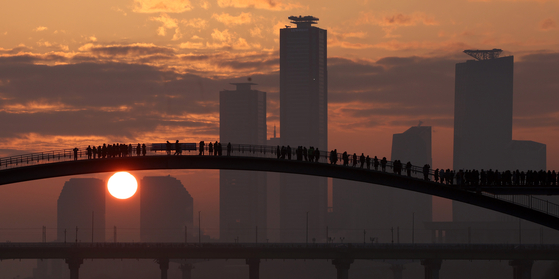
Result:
[
  {"x": 253, "y": 268},
  {"x": 186, "y": 269},
  {"x": 342, "y": 267},
  {"x": 74, "y": 266},
  {"x": 432, "y": 268},
  {"x": 522, "y": 269},
  {"x": 397, "y": 270},
  {"x": 164, "y": 266}
]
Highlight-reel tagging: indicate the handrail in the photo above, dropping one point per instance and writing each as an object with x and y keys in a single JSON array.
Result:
[{"x": 266, "y": 151}]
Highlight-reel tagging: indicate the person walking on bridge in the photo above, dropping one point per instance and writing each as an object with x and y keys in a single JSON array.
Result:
[
  {"x": 229, "y": 149},
  {"x": 75, "y": 153},
  {"x": 178, "y": 149},
  {"x": 201, "y": 148},
  {"x": 383, "y": 164}
]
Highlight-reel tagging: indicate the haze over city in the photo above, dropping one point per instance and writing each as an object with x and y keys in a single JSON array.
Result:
[{"x": 150, "y": 71}]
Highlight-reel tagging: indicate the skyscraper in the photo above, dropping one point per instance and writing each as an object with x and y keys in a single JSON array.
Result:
[
  {"x": 242, "y": 194},
  {"x": 166, "y": 208},
  {"x": 304, "y": 122},
  {"x": 81, "y": 211},
  {"x": 413, "y": 145},
  {"x": 483, "y": 111},
  {"x": 483, "y": 124}
]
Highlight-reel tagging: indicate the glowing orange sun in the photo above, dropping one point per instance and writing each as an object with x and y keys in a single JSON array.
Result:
[{"x": 122, "y": 185}]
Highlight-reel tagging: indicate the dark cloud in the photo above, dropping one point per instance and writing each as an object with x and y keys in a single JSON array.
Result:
[
  {"x": 122, "y": 99},
  {"x": 133, "y": 50}
]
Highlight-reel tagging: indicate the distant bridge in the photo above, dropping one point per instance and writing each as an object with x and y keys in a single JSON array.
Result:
[
  {"x": 510, "y": 200},
  {"x": 521, "y": 257}
]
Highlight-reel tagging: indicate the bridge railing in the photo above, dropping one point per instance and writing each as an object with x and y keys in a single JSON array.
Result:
[
  {"x": 260, "y": 151},
  {"x": 529, "y": 201}
]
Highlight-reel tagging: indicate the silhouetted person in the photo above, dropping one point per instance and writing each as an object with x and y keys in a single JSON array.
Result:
[
  {"x": 216, "y": 148},
  {"x": 89, "y": 152},
  {"x": 375, "y": 163},
  {"x": 345, "y": 159},
  {"x": 168, "y": 148},
  {"x": 426, "y": 169},
  {"x": 229, "y": 149},
  {"x": 354, "y": 160},
  {"x": 75, "y": 153},
  {"x": 278, "y": 152},
  {"x": 138, "y": 149},
  {"x": 144, "y": 149},
  {"x": 210, "y": 148},
  {"x": 362, "y": 160},
  {"x": 383, "y": 164},
  {"x": 408, "y": 168},
  {"x": 316, "y": 155},
  {"x": 288, "y": 150},
  {"x": 368, "y": 161},
  {"x": 305, "y": 153},
  {"x": 201, "y": 148},
  {"x": 178, "y": 149},
  {"x": 436, "y": 175},
  {"x": 443, "y": 176}
]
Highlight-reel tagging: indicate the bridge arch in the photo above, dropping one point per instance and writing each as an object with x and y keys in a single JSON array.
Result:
[{"x": 66, "y": 168}]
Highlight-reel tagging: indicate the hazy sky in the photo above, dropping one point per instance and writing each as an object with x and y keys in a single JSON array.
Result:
[{"x": 74, "y": 73}]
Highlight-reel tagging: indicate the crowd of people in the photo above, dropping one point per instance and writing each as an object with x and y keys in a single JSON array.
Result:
[
  {"x": 312, "y": 154},
  {"x": 112, "y": 151}
]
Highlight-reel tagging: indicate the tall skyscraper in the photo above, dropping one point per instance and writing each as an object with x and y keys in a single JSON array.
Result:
[
  {"x": 81, "y": 204},
  {"x": 80, "y": 218},
  {"x": 483, "y": 124},
  {"x": 166, "y": 208},
  {"x": 483, "y": 111},
  {"x": 304, "y": 122},
  {"x": 242, "y": 194}
]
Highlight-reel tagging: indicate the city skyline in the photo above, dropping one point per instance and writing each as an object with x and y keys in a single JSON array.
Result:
[{"x": 151, "y": 71}]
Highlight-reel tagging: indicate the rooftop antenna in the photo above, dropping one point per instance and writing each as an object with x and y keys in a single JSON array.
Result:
[
  {"x": 484, "y": 54},
  {"x": 420, "y": 122}
]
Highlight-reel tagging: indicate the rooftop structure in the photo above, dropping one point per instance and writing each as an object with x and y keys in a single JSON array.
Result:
[
  {"x": 484, "y": 54},
  {"x": 303, "y": 21}
]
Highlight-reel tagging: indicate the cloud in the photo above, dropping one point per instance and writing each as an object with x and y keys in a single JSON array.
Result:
[
  {"x": 274, "y": 5},
  {"x": 390, "y": 22},
  {"x": 168, "y": 23},
  {"x": 204, "y": 4},
  {"x": 229, "y": 20},
  {"x": 548, "y": 24},
  {"x": 222, "y": 36},
  {"x": 162, "y": 6},
  {"x": 40, "y": 28},
  {"x": 195, "y": 22}
]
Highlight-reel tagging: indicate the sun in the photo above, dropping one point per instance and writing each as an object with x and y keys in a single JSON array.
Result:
[{"x": 122, "y": 185}]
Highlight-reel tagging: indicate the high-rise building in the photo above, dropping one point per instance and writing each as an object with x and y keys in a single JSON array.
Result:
[
  {"x": 304, "y": 122},
  {"x": 483, "y": 111},
  {"x": 413, "y": 145},
  {"x": 166, "y": 209},
  {"x": 483, "y": 125},
  {"x": 81, "y": 211},
  {"x": 80, "y": 218},
  {"x": 376, "y": 209},
  {"x": 242, "y": 194}
]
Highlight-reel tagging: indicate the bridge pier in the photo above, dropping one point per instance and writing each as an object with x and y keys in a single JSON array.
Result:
[
  {"x": 397, "y": 270},
  {"x": 74, "y": 266},
  {"x": 432, "y": 268},
  {"x": 164, "y": 266},
  {"x": 253, "y": 268},
  {"x": 342, "y": 267},
  {"x": 522, "y": 269},
  {"x": 186, "y": 269}
]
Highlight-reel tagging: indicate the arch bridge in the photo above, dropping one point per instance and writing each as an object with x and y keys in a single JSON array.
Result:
[{"x": 514, "y": 200}]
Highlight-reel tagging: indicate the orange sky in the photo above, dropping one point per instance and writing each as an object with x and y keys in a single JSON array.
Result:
[{"x": 88, "y": 72}]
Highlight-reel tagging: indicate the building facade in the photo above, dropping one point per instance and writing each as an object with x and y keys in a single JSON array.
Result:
[
  {"x": 304, "y": 122},
  {"x": 242, "y": 194},
  {"x": 166, "y": 210},
  {"x": 483, "y": 125}
]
